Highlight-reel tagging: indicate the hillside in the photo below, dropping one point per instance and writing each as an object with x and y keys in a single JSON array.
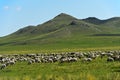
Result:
[
  {"x": 109, "y": 26},
  {"x": 63, "y": 25},
  {"x": 64, "y": 31}
]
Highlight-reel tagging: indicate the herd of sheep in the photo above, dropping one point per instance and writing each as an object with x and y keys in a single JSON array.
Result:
[{"x": 7, "y": 60}]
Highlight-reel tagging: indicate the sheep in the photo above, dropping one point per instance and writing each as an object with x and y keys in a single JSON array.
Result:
[
  {"x": 87, "y": 59},
  {"x": 7, "y": 60},
  {"x": 73, "y": 59},
  {"x": 110, "y": 59},
  {"x": 109, "y": 54},
  {"x": 3, "y": 66},
  {"x": 50, "y": 60},
  {"x": 116, "y": 58},
  {"x": 12, "y": 62},
  {"x": 64, "y": 60},
  {"x": 92, "y": 55},
  {"x": 102, "y": 54},
  {"x": 29, "y": 62},
  {"x": 37, "y": 60}
]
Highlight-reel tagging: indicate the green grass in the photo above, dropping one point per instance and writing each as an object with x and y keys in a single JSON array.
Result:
[
  {"x": 57, "y": 35},
  {"x": 82, "y": 43},
  {"x": 97, "y": 70}
]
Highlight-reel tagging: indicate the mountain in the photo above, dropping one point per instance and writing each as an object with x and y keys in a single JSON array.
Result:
[
  {"x": 59, "y": 22},
  {"x": 52, "y": 25},
  {"x": 62, "y": 27},
  {"x": 94, "y": 20},
  {"x": 111, "y": 25}
]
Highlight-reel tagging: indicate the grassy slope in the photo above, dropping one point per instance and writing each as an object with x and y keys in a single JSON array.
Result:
[
  {"x": 59, "y": 35},
  {"x": 66, "y": 44},
  {"x": 109, "y": 26}
]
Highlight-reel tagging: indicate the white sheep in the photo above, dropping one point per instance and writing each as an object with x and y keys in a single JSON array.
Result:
[
  {"x": 110, "y": 59},
  {"x": 3, "y": 66}
]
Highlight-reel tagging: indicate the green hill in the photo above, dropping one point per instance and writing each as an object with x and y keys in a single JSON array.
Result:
[
  {"x": 109, "y": 26},
  {"x": 62, "y": 25},
  {"x": 65, "y": 31}
]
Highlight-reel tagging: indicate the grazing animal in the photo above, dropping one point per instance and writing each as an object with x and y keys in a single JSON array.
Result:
[
  {"x": 110, "y": 59},
  {"x": 73, "y": 59},
  {"x": 29, "y": 62},
  {"x": 7, "y": 60},
  {"x": 87, "y": 59},
  {"x": 12, "y": 62},
  {"x": 3, "y": 66},
  {"x": 64, "y": 60}
]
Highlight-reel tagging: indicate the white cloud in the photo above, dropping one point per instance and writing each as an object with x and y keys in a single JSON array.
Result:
[
  {"x": 6, "y": 7},
  {"x": 18, "y": 8}
]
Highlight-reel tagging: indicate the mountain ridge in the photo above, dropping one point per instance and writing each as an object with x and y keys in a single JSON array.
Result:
[
  {"x": 63, "y": 26},
  {"x": 73, "y": 20}
]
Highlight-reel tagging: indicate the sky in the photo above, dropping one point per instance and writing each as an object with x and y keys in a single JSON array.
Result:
[{"x": 16, "y": 14}]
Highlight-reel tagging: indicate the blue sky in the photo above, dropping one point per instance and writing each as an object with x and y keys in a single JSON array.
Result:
[{"x": 16, "y": 14}]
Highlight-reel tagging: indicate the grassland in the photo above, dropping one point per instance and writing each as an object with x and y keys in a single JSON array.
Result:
[
  {"x": 63, "y": 33},
  {"x": 65, "y": 45},
  {"x": 96, "y": 70}
]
